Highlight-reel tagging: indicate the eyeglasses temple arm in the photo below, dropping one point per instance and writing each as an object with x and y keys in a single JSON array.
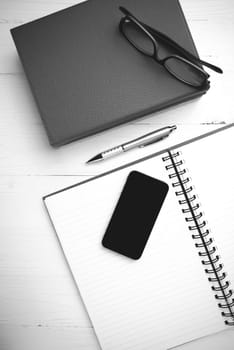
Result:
[{"x": 176, "y": 46}]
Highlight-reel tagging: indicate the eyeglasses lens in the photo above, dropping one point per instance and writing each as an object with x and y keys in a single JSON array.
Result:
[
  {"x": 138, "y": 37},
  {"x": 185, "y": 71}
]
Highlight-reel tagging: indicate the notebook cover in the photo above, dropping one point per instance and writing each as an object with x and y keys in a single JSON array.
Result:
[{"x": 86, "y": 77}]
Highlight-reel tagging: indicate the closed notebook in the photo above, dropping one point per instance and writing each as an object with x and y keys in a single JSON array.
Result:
[
  {"x": 85, "y": 76},
  {"x": 181, "y": 287}
]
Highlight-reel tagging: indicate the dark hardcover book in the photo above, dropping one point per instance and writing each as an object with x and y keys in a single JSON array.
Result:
[{"x": 86, "y": 77}]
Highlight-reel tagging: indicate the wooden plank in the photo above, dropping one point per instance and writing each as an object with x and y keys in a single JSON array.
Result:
[
  {"x": 21, "y": 337},
  {"x": 36, "y": 285}
]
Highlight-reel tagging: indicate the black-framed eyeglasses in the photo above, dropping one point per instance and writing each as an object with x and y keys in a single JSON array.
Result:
[{"x": 185, "y": 67}]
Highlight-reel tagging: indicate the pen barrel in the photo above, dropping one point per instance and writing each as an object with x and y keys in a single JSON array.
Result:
[
  {"x": 147, "y": 139},
  {"x": 112, "y": 151}
]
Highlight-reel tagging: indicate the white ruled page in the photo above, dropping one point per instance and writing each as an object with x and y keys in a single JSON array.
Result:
[{"x": 159, "y": 301}]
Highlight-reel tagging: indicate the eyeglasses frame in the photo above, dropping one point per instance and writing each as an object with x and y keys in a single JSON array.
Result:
[{"x": 149, "y": 32}]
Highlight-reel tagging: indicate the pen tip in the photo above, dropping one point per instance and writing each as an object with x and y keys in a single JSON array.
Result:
[
  {"x": 94, "y": 159},
  {"x": 173, "y": 127}
]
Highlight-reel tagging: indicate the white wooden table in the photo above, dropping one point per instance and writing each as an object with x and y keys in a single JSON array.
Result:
[{"x": 40, "y": 306}]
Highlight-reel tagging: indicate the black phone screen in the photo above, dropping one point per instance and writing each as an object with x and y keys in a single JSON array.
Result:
[{"x": 135, "y": 214}]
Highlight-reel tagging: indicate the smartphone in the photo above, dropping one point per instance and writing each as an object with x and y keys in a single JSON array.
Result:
[{"x": 135, "y": 214}]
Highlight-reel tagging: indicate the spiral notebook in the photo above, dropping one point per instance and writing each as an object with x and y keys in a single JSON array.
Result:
[{"x": 181, "y": 287}]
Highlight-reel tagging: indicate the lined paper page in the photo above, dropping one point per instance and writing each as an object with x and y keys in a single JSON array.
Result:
[{"x": 157, "y": 302}]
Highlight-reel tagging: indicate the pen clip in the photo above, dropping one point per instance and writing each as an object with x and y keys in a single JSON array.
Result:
[{"x": 151, "y": 142}]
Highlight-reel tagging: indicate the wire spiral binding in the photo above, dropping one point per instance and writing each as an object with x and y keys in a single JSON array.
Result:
[{"x": 197, "y": 224}]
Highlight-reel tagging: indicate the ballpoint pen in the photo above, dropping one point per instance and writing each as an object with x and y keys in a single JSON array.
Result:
[{"x": 141, "y": 141}]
